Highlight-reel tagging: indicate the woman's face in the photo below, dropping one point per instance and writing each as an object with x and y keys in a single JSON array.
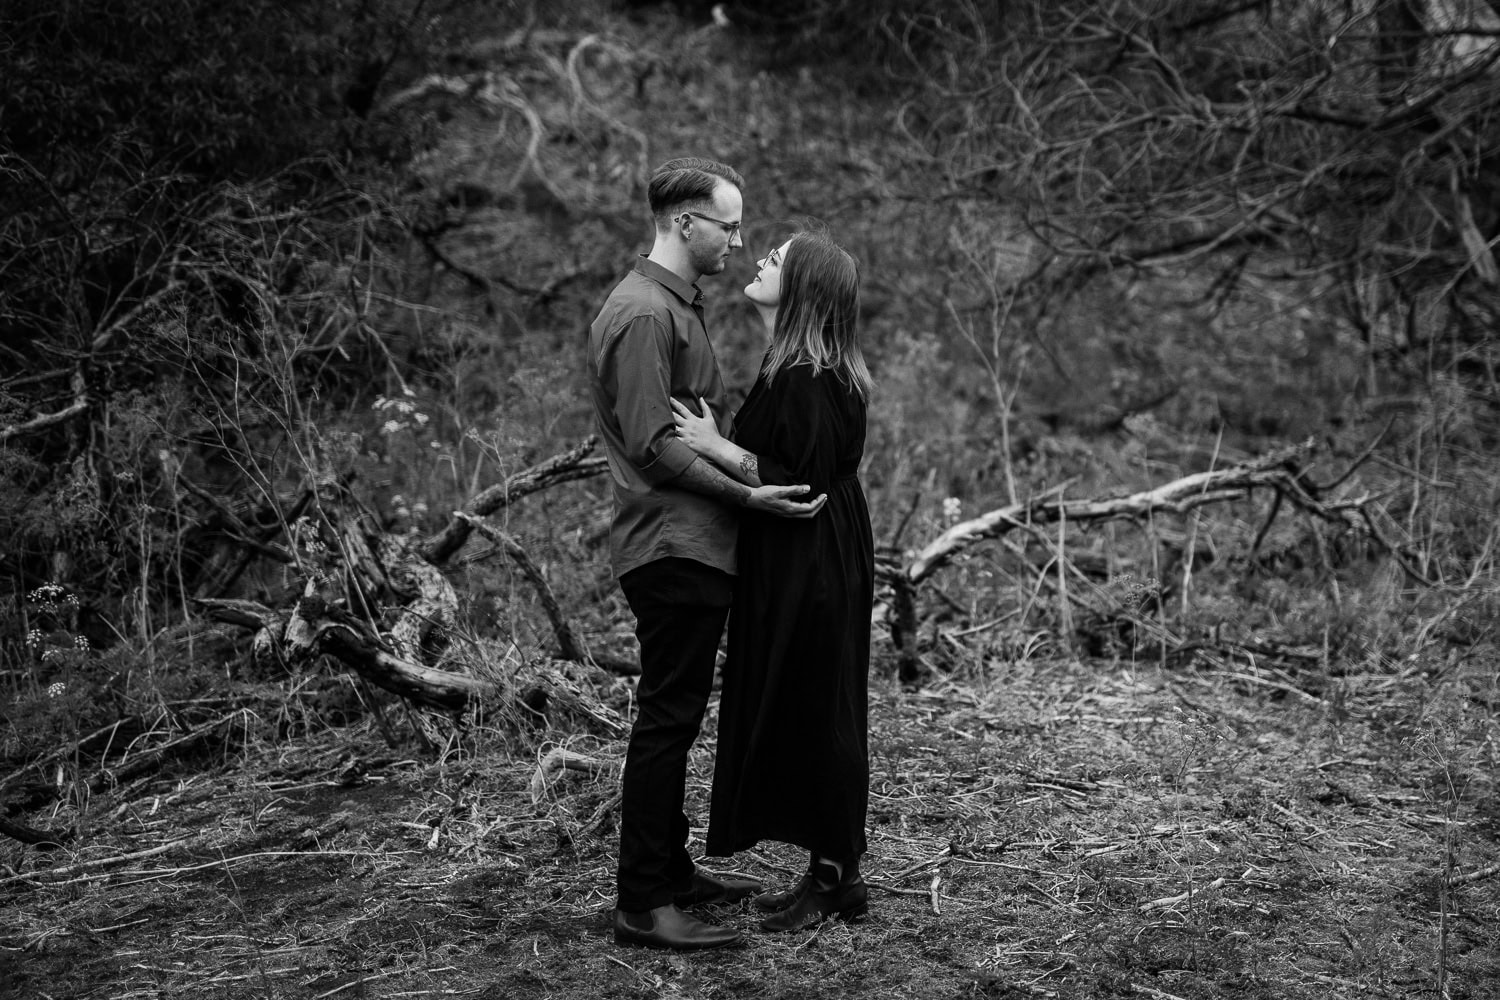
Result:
[{"x": 765, "y": 288}]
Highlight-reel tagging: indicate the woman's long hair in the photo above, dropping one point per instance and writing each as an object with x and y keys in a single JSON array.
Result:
[{"x": 819, "y": 312}]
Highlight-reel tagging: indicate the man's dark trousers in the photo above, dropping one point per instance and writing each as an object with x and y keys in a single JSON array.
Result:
[{"x": 680, "y": 608}]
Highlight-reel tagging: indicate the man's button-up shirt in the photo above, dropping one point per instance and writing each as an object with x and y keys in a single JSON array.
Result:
[{"x": 648, "y": 345}]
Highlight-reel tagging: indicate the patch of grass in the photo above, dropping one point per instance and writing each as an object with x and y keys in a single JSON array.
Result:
[{"x": 1060, "y": 830}]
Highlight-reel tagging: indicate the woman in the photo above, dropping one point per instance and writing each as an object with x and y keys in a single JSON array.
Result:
[{"x": 793, "y": 749}]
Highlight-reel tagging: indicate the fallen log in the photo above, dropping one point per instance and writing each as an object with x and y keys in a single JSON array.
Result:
[
  {"x": 315, "y": 626},
  {"x": 318, "y": 627}
]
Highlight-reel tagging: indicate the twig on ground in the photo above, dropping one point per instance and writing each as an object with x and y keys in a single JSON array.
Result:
[
  {"x": 48, "y": 874},
  {"x": 606, "y": 807},
  {"x": 1150, "y": 992},
  {"x": 1169, "y": 901},
  {"x": 1476, "y": 875},
  {"x": 560, "y": 759}
]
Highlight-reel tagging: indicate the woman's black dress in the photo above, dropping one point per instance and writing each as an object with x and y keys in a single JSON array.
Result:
[{"x": 793, "y": 759}]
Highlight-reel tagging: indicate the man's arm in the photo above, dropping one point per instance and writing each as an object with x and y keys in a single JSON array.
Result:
[
  {"x": 700, "y": 431},
  {"x": 739, "y": 463},
  {"x": 635, "y": 365},
  {"x": 730, "y": 459},
  {"x": 702, "y": 476}
]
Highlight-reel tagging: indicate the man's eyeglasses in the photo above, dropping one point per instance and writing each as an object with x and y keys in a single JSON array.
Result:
[{"x": 732, "y": 228}]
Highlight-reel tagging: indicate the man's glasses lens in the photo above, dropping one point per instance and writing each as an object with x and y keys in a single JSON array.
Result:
[{"x": 729, "y": 227}]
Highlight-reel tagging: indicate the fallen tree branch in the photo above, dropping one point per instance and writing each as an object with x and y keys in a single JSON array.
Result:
[
  {"x": 1167, "y": 902},
  {"x": 433, "y": 605},
  {"x": 568, "y": 644},
  {"x": 128, "y": 769},
  {"x": 316, "y": 626},
  {"x": 569, "y": 466},
  {"x": 31, "y": 835},
  {"x": 557, "y": 683},
  {"x": 1178, "y": 496},
  {"x": 63, "y": 871},
  {"x": 319, "y": 627},
  {"x": 1475, "y": 876},
  {"x": 154, "y": 758},
  {"x": 81, "y": 403},
  {"x": 1278, "y": 470},
  {"x": 557, "y": 760}
]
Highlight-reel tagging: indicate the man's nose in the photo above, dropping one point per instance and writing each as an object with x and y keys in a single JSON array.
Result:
[{"x": 735, "y": 240}]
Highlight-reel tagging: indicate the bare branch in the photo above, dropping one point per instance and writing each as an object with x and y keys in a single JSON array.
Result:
[
  {"x": 568, "y": 644},
  {"x": 571, "y": 465},
  {"x": 1179, "y": 496},
  {"x": 80, "y": 404}
]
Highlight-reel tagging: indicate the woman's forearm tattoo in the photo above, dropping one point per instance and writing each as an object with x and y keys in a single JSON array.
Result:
[{"x": 750, "y": 466}]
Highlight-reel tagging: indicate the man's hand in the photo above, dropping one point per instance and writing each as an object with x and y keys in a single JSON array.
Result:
[
  {"x": 702, "y": 476},
  {"x": 778, "y": 500}
]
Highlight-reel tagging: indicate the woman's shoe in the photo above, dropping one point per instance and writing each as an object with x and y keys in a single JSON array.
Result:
[
  {"x": 775, "y": 902},
  {"x": 824, "y": 895}
]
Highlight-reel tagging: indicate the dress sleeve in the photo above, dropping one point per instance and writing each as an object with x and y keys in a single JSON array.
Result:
[
  {"x": 635, "y": 369},
  {"x": 804, "y": 429}
]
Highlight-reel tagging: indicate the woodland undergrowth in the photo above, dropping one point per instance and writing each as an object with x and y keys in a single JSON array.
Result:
[{"x": 1243, "y": 744}]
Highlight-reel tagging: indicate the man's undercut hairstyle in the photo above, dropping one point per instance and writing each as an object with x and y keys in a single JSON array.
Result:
[{"x": 686, "y": 183}]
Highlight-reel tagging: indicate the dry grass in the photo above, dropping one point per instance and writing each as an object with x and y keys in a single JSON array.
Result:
[{"x": 1038, "y": 828}]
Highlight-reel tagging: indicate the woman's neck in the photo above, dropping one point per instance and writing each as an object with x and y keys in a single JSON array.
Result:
[{"x": 768, "y": 317}]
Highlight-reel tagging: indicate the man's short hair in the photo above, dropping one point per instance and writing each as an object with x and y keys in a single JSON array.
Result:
[{"x": 687, "y": 181}]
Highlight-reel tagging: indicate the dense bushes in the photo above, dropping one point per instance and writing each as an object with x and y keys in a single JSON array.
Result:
[
  {"x": 144, "y": 253},
  {"x": 1079, "y": 219}
]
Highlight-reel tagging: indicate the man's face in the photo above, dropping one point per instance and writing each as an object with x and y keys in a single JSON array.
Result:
[{"x": 711, "y": 241}]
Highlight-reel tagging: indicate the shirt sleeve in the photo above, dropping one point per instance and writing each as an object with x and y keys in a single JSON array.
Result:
[{"x": 635, "y": 370}]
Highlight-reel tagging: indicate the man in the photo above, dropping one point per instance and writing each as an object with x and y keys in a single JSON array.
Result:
[{"x": 672, "y": 543}]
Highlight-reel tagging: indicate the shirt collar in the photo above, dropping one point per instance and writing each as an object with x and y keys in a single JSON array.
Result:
[{"x": 687, "y": 292}]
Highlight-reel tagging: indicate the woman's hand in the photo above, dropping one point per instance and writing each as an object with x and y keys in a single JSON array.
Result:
[{"x": 699, "y": 433}]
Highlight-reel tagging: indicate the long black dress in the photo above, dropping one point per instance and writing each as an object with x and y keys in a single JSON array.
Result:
[{"x": 793, "y": 757}]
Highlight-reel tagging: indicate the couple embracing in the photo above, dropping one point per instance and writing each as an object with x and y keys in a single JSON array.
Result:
[{"x": 707, "y": 529}]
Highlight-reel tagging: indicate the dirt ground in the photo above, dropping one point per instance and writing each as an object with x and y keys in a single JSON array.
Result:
[{"x": 1049, "y": 829}]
